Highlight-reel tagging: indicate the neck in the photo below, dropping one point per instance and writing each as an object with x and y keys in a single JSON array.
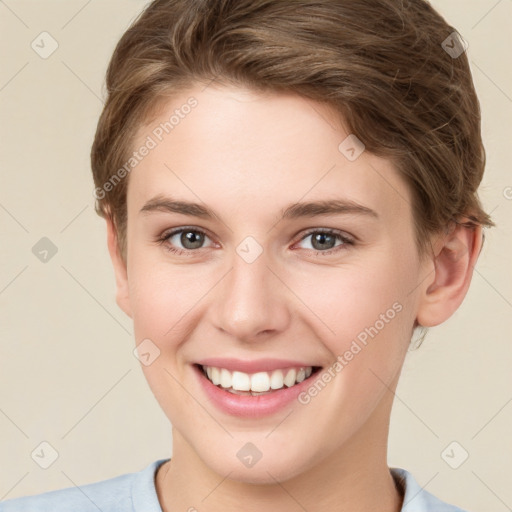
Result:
[{"x": 354, "y": 477}]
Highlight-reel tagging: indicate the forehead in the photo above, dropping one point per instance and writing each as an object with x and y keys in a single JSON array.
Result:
[{"x": 238, "y": 151}]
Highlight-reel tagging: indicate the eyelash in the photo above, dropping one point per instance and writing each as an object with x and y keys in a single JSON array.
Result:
[{"x": 346, "y": 241}]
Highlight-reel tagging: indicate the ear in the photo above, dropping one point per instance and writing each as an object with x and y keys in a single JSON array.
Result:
[
  {"x": 120, "y": 270},
  {"x": 455, "y": 256}
]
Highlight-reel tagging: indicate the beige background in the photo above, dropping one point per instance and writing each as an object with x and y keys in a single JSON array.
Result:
[{"x": 68, "y": 373}]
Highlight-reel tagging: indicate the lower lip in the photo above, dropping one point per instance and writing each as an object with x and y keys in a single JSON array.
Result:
[{"x": 247, "y": 405}]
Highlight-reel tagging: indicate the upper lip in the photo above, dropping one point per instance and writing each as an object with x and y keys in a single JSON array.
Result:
[{"x": 253, "y": 366}]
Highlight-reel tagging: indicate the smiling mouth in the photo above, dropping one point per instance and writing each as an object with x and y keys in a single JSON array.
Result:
[{"x": 260, "y": 383}]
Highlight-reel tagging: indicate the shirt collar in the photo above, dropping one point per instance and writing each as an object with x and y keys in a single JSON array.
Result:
[{"x": 415, "y": 498}]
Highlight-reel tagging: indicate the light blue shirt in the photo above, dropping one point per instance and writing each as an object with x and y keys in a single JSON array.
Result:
[{"x": 136, "y": 492}]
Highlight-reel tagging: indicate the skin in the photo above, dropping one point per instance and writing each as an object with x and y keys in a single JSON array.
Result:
[{"x": 247, "y": 156}]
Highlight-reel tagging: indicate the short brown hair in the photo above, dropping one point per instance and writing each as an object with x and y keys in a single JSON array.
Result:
[{"x": 382, "y": 64}]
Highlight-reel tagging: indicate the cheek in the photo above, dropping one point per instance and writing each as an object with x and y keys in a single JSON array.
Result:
[
  {"x": 364, "y": 313},
  {"x": 365, "y": 319},
  {"x": 348, "y": 299},
  {"x": 165, "y": 300},
  {"x": 163, "y": 297}
]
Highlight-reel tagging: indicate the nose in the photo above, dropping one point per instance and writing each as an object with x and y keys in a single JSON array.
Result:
[{"x": 252, "y": 301}]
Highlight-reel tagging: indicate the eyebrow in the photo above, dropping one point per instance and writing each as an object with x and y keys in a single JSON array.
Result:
[{"x": 294, "y": 211}]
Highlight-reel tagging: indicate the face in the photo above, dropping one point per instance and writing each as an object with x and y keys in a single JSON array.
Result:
[{"x": 263, "y": 256}]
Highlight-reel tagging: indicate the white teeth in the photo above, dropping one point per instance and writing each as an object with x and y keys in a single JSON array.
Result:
[
  {"x": 290, "y": 377},
  {"x": 215, "y": 376},
  {"x": 277, "y": 379},
  {"x": 261, "y": 382},
  {"x": 225, "y": 378},
  {"x": 241, "y": 381}
]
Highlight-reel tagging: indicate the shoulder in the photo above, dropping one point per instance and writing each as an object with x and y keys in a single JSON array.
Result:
[
  {"x": 106, "y": 496},
  {"x": 417, "y": 499},
  {"x": 125, "y": 492}
]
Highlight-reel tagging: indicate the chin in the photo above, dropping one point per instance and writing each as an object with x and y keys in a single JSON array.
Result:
[
  {"x": 267, "y": 470},
  {"x": 262, "y": 474}
]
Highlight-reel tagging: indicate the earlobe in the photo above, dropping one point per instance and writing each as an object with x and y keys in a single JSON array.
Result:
[
  {"x": 453, "y": 261},
  {"x": 120, "y": 270}
]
